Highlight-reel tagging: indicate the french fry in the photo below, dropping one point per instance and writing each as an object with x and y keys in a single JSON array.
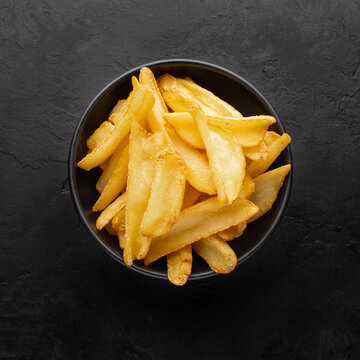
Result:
[
  {"x": 135, "y": 82},
  {"x": 247, "y": 131},
  {"x": 117, "y": 108},
  {"x": 111, "y": 165},
  {"x": 179, "y": 264},
  {"x": 257, "y": 152},
  {"x": 143, "y": 149},
  {"x": 258, "y": 167},
  {"x": 106, "y": 216},
  {"x": 104, "y": 130},
  {"x": 99, "y": 135},
  {"x": 267, "y": 187},
  {"x": 116, "y": 184},
  {"x": 191, "y": 195},
  {"x": 199, "y": 221},
  {"x": 177, "y": 97},
  {"x": 217, "y": 253},
  {"x": 118, "y": 224},
  {"x": 248, "y": 187},
  {"x": 270, "y": 137},
  {"x": 197, "y": 170},
  {"x": 226, "y": 159},
  {"x": 233, "y": 232},
  {"x": 141, "y": 103},
  {"x": 186, "y": 128},
  {"x": 167, "y": 193},
  {"x": 220, "y": 107},
  {"x": 147, "y": 78}
]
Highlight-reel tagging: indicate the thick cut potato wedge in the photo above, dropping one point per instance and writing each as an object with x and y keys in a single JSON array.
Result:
[
  {"x": 118, "y": 224},
  {"x": 143, "y": 149},
  {"x": 104, "y": 130},
  {"x": 111, "y": 165},
  {"x": 233, "y": 232},
  {"x": 106, "y": 216},
  {"x": 199, "y": 221},
  {"x": 167, "y": 193},
  {"x": 99, "y": 135},
  {"x": 217, "y": 253},
  {"x": 258, "y": 167},
  {"x": 117, "y": 108},
  {"x": 179, "y": 264},
  {"x": 220, "y": 107},
  {"x": 116, "y": 184},
  {"x": 270, "y": 137},
  {"x": 147, "y": 78},
  {"x": 135, "y": 82},
  {"x": 247, "y": 131},
  {"x": 178, "y": 97},
  {"x": 186, "y": 128},
  {"x": 141, "y": 103},
  {"x": 267, "y": 187},
  {"x": 248, "y": 187},
  {"x": 226, "y": 159},
  {"x": 257, "y": 152},
  {"x": 197, "y": 170},
  {"x": 191, "y": 195}
]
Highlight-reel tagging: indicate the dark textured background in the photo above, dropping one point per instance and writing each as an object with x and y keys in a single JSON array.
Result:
[{"x": 62, "y": 297}]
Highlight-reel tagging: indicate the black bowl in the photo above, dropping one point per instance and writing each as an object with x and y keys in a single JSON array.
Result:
[{"x": 228, "y": 86}]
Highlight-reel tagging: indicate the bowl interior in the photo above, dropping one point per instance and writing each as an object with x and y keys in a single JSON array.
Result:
[{"x": 224, "y": 84}]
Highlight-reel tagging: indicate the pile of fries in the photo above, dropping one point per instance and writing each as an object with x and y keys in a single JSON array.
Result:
[{"x": 182, "y": 170}]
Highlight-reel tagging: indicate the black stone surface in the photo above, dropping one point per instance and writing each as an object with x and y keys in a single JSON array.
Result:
[{"x": 62, "y": 297}]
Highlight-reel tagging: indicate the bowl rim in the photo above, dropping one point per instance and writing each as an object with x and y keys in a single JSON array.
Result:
[{"x": 72, "y": 166}]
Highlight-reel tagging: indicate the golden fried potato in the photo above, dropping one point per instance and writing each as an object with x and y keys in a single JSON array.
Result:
[
  {"x": 267, "y": 187},
  {"x": 140, "y": 105},
  {"x": 186, "y": 128},
  {"x": 106, "y": 216},
  {"x": 197, "y": 170},
  {"x": 99, "y": 135},
  {"x": 258, "y": 167},
  {"x": 233, "y": 232},
  {"x": 220, "y": 107},
  {"x": 116, "y": 158},
  {"x": 178, "y": 97},
  {"x": 257, "y": 152},
  {"x": 116, "y": 184},
  {"x": 217, "y": 253},
  {"x": 167, "y": 193},
  {"x": 191, "y": 195},
  {"x": 247, "y": 131},
  {"x": 270, "y": 137},
  {"x": 226, "y": 159},
  {"x": 179, "y": 264},
  {"x": 118, "y": 224},
  {"x": 142, "y": 153},
  {"x": 199, "y": 221}
]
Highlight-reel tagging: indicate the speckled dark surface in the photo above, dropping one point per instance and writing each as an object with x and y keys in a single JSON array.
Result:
[{"x": 62, "y": 297}]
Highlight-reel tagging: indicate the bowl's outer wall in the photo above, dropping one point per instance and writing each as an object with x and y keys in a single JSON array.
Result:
[{"x": 224, "y": 84}]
